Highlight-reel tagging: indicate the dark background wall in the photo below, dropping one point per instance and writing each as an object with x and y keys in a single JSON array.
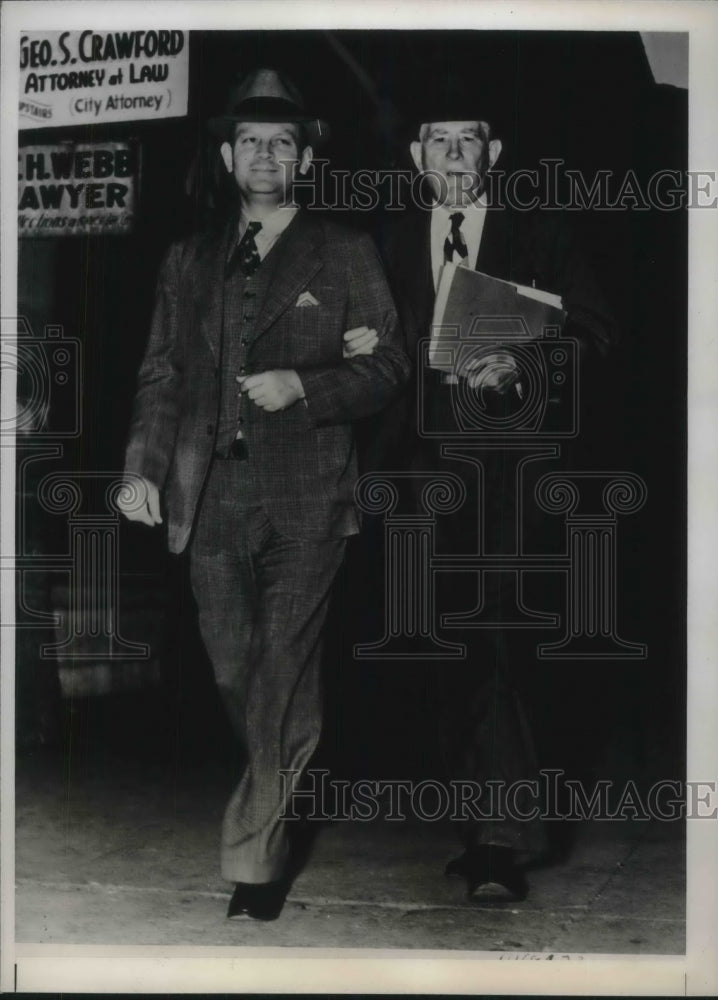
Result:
[{"x": 588, "y": 99}]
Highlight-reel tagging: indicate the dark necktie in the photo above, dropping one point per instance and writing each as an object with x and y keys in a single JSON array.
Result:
[
  {"x": 246, "y": 256},
  {"x": 455, "y": 240}
]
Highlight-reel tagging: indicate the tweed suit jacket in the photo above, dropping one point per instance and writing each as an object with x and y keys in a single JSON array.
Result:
[{"x": 303, "y": 460}]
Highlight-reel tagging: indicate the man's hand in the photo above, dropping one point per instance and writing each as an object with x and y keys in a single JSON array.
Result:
[
  {"x": 273, "y": 390},
  {"x": 139, "y": 500},
  {"x": 498, "y": 372},
  {"x": 360, "y": 340}
]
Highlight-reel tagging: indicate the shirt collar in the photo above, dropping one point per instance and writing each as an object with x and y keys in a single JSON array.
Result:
[
  {"x": 476, "y": 208},
  {"x": 273, "y": 224}
]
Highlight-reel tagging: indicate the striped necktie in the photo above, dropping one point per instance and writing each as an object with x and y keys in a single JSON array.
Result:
[
  {"x": 246, "y": 256},
  {"x": 455, "y": 240}
]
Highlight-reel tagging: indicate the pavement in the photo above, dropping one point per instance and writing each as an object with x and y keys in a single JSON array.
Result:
[{"x": 116, "y": 846}]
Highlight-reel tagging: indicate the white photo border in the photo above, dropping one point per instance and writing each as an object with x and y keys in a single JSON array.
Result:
[{"x": 121, "y": 969}]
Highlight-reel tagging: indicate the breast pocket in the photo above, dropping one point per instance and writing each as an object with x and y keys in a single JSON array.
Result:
[{"x": 314, "y": 332}]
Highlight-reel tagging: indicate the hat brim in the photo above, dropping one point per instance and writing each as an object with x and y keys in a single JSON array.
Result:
[
  {"x": 494, "y": 120},
  {"x": 315, "y": 129}
]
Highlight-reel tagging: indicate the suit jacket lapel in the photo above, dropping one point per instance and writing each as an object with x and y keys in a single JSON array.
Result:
[
  {"x": 211, "y": 264},
  {"x": 415, "y": 263},
  {"x": 298, "y": 260},
  {"x": 494, "y": 256}
]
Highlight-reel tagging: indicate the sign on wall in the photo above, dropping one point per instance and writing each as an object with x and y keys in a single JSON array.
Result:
[
  {"x": 88, "y": 77},
  {"x": 72, "y": 189}
]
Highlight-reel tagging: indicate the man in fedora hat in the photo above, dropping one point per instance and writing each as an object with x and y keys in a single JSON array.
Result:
[
  {"x": 482, "y": 731},
  {"x": 243, "y": 423}
]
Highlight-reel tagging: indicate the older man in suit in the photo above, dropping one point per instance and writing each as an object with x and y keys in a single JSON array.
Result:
[
  {"x": 483, "y": 729},
  {"x": 243, "y": 419}
]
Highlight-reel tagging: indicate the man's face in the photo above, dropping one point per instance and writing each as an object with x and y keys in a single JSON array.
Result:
[
  {"x": 263, "y": 159},
  {"x": 456, "y": 156}
]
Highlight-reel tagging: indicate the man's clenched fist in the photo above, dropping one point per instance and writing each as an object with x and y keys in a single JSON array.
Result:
[
  {"x": 139, "y": 500},
  {"x": 273, "y": 390},
  {"x": 360, "y": 340}
]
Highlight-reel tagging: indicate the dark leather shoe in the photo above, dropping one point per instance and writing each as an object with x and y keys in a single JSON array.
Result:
[
  {"x": 259, "y": 901},
  {"x": 490, "y": 871}
]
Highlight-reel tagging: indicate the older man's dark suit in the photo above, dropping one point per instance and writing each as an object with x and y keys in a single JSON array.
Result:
[
  {"x": 526, "y": 248},
  {"x": 266, "y": 535},
  {"x": 484, "y": 734}
]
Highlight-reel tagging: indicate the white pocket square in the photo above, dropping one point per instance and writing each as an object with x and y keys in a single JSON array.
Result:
[{"x": 306, "y": 299}]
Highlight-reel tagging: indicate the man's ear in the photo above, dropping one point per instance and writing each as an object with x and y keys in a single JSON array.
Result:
[
  {"x": 305, "y": 159},
  {"x": 495, "y": 148},
  {"x": 226, "y": 152},
  {"x": 416, "y": 155}
]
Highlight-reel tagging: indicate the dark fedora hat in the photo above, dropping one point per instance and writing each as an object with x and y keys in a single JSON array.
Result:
[
  {"x": 267, "y": 96},
  {"x": 477, "y": 98}
]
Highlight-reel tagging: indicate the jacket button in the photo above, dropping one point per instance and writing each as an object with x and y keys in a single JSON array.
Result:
[
  {"x": 248, "y": 317},
  {"x": 244, "y": 341},
  {"x": 242, "y": 370}
]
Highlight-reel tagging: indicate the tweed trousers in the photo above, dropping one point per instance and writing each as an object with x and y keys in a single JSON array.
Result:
[{"x": 262, "y": 600}]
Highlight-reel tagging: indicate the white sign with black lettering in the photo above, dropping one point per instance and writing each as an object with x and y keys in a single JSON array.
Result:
[
  {"x": 72, "y": 189},
  {"x": 88, "y": 77}
]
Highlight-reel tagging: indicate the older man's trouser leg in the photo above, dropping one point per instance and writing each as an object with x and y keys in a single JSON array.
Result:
[
  {"x": 262, "y": 600},
  {"x": 482, "y": 729}
]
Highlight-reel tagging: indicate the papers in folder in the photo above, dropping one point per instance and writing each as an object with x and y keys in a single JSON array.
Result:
[{"x": 473, "y": 309}]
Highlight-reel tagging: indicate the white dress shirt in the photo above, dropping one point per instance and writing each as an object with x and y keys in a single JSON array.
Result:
[{"x": 472, "y": 227}]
